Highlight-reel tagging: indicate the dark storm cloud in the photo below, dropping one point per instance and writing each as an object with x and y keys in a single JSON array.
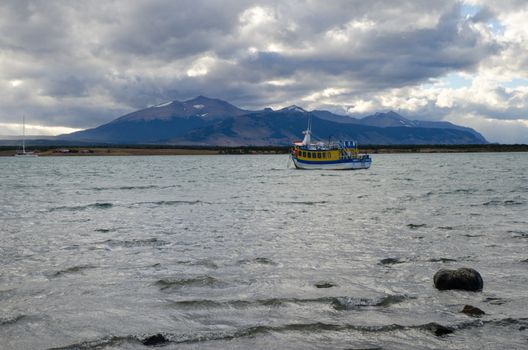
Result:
[
  {"x": 76, "y": 62},
  {"x": 172, "y": 30}
]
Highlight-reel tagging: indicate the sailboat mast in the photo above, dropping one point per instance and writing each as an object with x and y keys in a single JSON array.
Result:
[{"x": 23, "y": 134}]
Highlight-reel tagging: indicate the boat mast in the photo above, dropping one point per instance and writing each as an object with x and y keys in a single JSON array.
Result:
[
  {"x": 308, "y": 132},
  {"x": 23, "y": 134}
]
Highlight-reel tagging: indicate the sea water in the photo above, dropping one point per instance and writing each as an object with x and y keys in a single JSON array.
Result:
[{"x": 242, "y": 252}]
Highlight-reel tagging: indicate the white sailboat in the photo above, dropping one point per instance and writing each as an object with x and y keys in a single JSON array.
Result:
[{"x": 23, "y": 153}]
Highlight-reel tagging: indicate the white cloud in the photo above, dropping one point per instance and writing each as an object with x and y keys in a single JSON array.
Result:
[
  {"x": 31, "y": 129},
  {"x": 280, "y": 82},
  {"x": 501, "y": 131},
  {"x": 15, "y": 82},
  {"x": 255, "y": 16},
  {"x": 201, "y": 66}
]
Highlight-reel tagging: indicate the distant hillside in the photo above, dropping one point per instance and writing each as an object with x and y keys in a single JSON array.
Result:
[
  {"x": 206, "y": 121},
  {"x": 158, "y": 124},
  {"x": 394, "y": 120}
]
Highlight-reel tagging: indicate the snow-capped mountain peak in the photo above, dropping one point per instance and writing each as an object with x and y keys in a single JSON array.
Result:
[{"x": 294, "y": 108}]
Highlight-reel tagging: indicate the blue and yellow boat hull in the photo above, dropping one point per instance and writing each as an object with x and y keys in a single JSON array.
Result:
[{"x": 334, "y": 159}]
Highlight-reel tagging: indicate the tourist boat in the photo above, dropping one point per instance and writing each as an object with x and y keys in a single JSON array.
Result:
[{"x": 340, "y": 155}]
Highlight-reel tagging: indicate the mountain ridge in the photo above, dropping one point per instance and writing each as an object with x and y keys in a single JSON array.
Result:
[{"x": 214, "y": 122}]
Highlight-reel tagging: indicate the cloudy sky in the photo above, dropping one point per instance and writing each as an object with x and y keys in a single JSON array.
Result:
[{"x": 70, "y": 65}]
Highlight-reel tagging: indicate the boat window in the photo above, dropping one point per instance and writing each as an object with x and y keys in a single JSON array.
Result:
[
  {"x": 324, "y": 154},
  {"x": 318, "y": 154},
  {"x": 309, "y": 154}
]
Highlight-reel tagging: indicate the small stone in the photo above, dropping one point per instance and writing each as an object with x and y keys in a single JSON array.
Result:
[
  {"x": 439, "y": 330},
  {"x": 154, "y": 340},
  {"x": 472, "y": 311},
  {"x": 463, "y": 279}
]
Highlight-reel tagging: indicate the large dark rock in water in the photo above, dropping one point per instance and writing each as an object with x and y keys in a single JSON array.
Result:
[{"x": 463, "y": 279}]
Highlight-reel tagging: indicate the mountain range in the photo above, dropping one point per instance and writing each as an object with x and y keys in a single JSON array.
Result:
[{"x": 213, "y": 122}]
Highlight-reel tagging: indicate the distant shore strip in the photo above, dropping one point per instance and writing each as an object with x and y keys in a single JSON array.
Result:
[{"x": 135, "y": 150}]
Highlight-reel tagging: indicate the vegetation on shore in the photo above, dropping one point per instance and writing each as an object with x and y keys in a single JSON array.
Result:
[{"x": 210, "y": 150}]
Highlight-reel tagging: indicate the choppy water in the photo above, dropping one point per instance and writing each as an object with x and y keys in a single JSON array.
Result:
[{"x": 239, "y": 252}]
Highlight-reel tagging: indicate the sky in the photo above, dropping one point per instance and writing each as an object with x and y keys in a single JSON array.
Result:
[{"x": 70, "y": 65}]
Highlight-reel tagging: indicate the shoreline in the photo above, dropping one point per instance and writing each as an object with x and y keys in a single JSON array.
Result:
[{"x": 182, "y": 150}]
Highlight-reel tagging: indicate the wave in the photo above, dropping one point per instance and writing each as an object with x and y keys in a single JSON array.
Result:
[
  {"x": 203, "y": 262},
  {"x": 73, "y": 269},
  {"x": 198, "y": 281},
  {"x": 172, "y": 202},
  {"x": 391, "y": 261},
  {"x": 469, "y": 235},
  {"x": 348, "y": 303},
  {"x": 523, "y": 322},
  {"x": 11, "y": 320},
  {"x": 461, "y": 191},
  {"x": 518, "y": 234},
  {"x": 496, "y": 301},
  {"x": 337, "y": 303},
  {"x": 304, "y": 202},
  {"x": 254, "y": 331},
  {"x": 508, "y": 202},
  {"x": 394, "y": 261},
  {"x": 99, "y": 343},
  {"x": 110, "y": 188},
  {"x": 258, "y": 260},
  {"x": 416, "y": 226},
  {"x": 442, "y": 260},
  {"x": 83, "y": 207},
  {"x": 149, "y": 242},
  {"x": 395, "y": 210}
]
